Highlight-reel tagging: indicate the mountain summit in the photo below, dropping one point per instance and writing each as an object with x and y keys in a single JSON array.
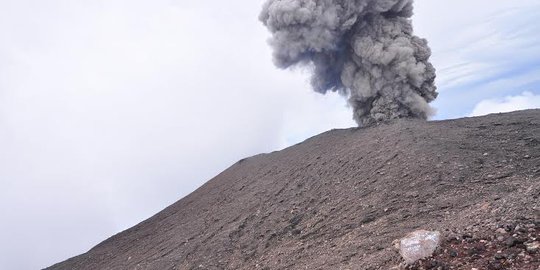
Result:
[{"x": 340, "y": 199}]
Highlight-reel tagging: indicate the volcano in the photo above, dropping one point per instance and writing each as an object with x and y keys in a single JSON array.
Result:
[{"x": 340, "y": 199}]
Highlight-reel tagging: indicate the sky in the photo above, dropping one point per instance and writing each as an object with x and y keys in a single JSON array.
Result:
[{"x": 111, "y": 110}]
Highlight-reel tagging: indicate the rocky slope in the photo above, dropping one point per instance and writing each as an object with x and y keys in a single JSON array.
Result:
[{"x": 338, "y": 200}]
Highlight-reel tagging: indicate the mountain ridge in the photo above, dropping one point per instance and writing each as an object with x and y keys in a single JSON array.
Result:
[{"x": 339, "y": 199}]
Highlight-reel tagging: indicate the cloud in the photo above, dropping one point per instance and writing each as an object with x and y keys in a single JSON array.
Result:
[
  {"x": 527, "y": 100},
  {"x": 111, "y": 111},
  {"x": 486, "y": 38},
  {"x": 481, "y": 44}
]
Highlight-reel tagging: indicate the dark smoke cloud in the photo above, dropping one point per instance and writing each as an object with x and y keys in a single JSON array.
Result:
[{"x": 361, "y": 48}]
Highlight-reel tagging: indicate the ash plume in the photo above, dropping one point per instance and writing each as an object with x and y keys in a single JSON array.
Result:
[{"x": 364, "y": 49}]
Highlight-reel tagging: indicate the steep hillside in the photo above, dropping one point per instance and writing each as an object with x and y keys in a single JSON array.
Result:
[{"x": 338, "y": 200}]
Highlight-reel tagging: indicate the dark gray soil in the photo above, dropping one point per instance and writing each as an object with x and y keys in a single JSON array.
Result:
[{"x": 339, "y": 200}]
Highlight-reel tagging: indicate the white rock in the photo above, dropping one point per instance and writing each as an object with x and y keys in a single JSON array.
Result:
[
  {"x": 533, "y": 247},
  {"x": 419, "y": 245}
]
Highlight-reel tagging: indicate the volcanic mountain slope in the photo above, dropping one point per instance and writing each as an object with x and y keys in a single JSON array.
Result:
[{"x": 338, "y": 200}]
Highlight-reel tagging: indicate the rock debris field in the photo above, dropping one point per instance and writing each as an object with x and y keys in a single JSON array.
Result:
[{"x": 339, "y": 200}]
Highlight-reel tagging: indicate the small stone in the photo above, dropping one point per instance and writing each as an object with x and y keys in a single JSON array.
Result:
[
  {"x": 501, "y": 231},
  {"x": 532, "y": 247},
  {"x": 495, "y": 266},
  {"x": 395, "y": 244},
  {"x": 500, "y": 256},
  {"x": 512, "y": 241},
  {"x": 486, "y": 154},
  {"x": 527, "y": 156}
]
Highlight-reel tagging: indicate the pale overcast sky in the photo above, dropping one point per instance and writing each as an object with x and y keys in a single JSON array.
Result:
[{"x": 110, "y": 110}]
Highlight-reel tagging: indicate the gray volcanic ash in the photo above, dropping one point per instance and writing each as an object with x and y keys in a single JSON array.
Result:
[{"x": 365, "y": 49}]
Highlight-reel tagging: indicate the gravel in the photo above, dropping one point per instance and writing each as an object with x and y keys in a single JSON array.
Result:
[{"x": 340, "y": 199}]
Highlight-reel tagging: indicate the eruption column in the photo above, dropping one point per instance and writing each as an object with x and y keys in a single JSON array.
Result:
[{"x": 364, "y": 49}]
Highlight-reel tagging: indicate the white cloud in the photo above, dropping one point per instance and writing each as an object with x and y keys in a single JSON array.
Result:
[
  {"x": 527, "y": 100},
  {"x": 476, "y": 45},
  {"x": 475, "y": 40},
  {"x": 112, "y": 110}
]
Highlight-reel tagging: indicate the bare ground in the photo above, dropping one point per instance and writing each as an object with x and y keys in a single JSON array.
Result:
[{"x": 339, "y": 200}]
